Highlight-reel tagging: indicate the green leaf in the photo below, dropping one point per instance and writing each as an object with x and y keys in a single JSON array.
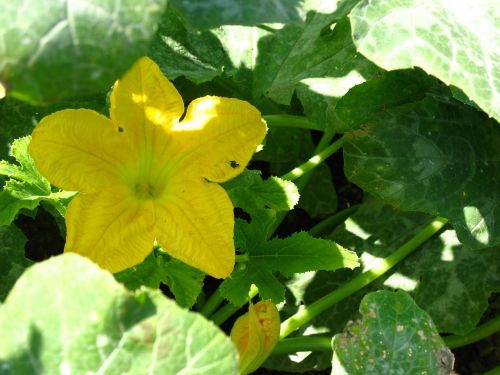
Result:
[
  {"x": 449, "y": 281},
  {"x": 453, "y": 284},
  {"x": 185, "y": 282},
  {"x": 57, "y": 50},
  {"x": 26, "y": 187},
  {"x": 250, "y": 192},
  {"x": 205, "y": 14},
  {"x": 179, "y": 51},
  {"x": 82, "y": 321},
  {"x": 17, "y": 119},
  {"x": 297, "y": 253},
  {"x": 12, "y": 242},
  {"x": 319, "y": 198},
  {"x": 246, "y": 60},
  {"x": 259, "y": 199},
  {"x": 312, "y": 56},
  {"x": 367, "y": 100},
  {"x": 394, "y": 336},
  {"x": 288, "y": 147},
  {"x": 456, "y": 41},
  {"x": 435, "y": 157}
]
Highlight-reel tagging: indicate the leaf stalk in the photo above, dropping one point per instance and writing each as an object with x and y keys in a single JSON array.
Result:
[{"x": 382, "y": 266}]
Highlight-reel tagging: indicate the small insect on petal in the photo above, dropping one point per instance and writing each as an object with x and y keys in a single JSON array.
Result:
[{"x": 255, "y": 335}]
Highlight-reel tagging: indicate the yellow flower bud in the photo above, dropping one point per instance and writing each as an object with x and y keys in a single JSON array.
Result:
[
  {"x": 255, "y": 335},
  {"x": 2, "y": 91}
]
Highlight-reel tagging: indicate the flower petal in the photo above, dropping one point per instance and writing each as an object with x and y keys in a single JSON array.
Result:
[
  {"x": 219, "y": 136},
  {"x": 194, "y": 223},
  {"x": 143, "y": 98},
  {"x": 110, "y": 228},
  {"x": 78, "y": 149}
]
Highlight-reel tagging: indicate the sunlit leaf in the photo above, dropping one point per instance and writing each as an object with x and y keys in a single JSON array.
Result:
[
  {"x": 26, "y": 187},
  {"x": 456, "y": 41},
  {"x": 59, "y": 49},
  {"x": 82, "y": 321},
  {"x": 393, "y": 336}
]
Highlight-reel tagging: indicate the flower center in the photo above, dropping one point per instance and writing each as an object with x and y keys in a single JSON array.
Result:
[{"x": 144, "y": 190}]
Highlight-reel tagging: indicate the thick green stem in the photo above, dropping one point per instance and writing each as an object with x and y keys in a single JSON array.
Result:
[
  {"x": 327, "y": 225},
  {"x": 314, "y": 161},
  {"x": 382, "y": 266},
  {"x": 323, "y": 343},
  {"x": 291, "y": 121},
  {"x": 225, "y": 312},
  {"x": 487, "y": 329},
  {"x": 303, "y": 344},
  {"x": 212, "y": 303},
  {"x": 323, "y": 143}
]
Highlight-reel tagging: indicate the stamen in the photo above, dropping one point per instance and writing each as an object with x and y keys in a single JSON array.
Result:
[{"x": 144, "y": 190}]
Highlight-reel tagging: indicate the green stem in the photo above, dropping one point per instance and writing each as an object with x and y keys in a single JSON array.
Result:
[
  {"x": 242, "y": 258},
  {"x": 212, "y": 303},
  {"x": 314, "y": 161},
  {"x": 487, "y": 329},
  {"x": 291, "y": 121},
  {"x": 323, "y": 143},
  {"x": 363, "y": 279},
  {"x": 226, "y": 311},
  {"x": 303, "y": 344},
  {"x": 327, "y": 225},
  {"x": 302, "y": 181}
]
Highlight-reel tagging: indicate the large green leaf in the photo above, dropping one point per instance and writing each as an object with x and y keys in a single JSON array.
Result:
[
  {"x": 436, "y": 157},
  {"x": 451, "y": 283},
  {"x": 53, "y": 50},
  {"x": 206, "y": 14},
  {"x": 253, "y": 61},
  {"x": 26, "y": 186},
  {"x": 456, "y": 41},
  {"x": 81, "y": 321},
  {"x": 13, "y": 263},
  {"x": 367, "y": 100},
  {"x": 317, "y": 56},
  {"x": 394, "y": 336}
]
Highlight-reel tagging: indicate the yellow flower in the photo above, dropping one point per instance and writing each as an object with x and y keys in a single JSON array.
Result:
[
  {"x": 255, "y": 335},
  {"x": 144, "y": 176}
]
